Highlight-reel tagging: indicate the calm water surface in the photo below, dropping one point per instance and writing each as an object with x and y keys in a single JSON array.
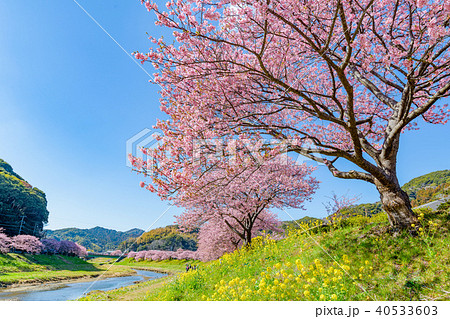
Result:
[{"x": 63, "y": 292}]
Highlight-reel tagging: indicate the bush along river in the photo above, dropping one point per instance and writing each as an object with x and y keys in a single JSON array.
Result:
[{"x": 73, "y": 291}]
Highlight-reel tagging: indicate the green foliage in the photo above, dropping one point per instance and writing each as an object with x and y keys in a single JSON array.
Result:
[
  {"x": 429, "y": 187},
  {"x": 97, "y": 239},
  {"x": 363, "y": 210},
  {"x": 444, "y": 206},
  {"x": 428, "y": 180},
  {"x": 291, "y": 224},
  {"x": 163, "y": 238},
  {"x": 20, "y": 201}
]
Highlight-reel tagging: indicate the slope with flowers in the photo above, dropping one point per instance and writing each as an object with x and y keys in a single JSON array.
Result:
[{"x": 355, "y": 259}]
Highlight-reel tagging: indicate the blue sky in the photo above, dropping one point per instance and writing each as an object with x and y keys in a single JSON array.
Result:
[{"x": 70, "y": 98}]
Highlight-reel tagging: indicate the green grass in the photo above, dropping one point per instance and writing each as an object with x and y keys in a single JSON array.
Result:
[
  {"x": 18, "y": 268},
  {"x": 357, "y": 259},
  {"x": 142, "y": 290},
  {"x": 137, "y": 292},
  {"x": 168, "y": 266}
]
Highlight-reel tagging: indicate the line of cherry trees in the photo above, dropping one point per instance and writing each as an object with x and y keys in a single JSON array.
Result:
[
  {"x": 157, "y": 255},
  {"x": 32, "y": 245}
]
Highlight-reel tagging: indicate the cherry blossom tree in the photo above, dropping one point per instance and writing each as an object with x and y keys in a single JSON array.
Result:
[
  {"x": 27, "y": 244},
  {"x": 82, "y": 251},
  {"x": 5, "y": 243},
  {"x": 216, "y": 237},
  {"x": 50, "y": 246},
  {"x": 69, "y": 248},
  {"x": 131, "y": 254},
  {"x": 340, "y": 80},
  {"x": 239, "y": 195},
  {"x": 116, "y": 253}
]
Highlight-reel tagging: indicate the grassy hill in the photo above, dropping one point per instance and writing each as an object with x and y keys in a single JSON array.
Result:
[
  {"x": 163, "y": 238},
  {"x": 357, "y": 259},
  {"x": 429, "y": 187},
  {"x": 97, "y": 239}
]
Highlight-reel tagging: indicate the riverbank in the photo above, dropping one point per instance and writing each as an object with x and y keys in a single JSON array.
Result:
[
  {"x": 17, "y": 270},
  {"x": 74, "y": 290},
  {"x": 143, "y": 290},
  {"x": 34, "y": 272}
]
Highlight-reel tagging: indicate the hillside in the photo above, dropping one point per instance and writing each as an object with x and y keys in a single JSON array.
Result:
[
  {"x": 97, "y": 239},
  {"x": 163, "y": 238},
  {"x": 421, "y": 190},
  {"x": 428, "y": 187},
  {"x": 356, "y": 259},
  {"x": 294, "y": 224},
  {"x": 23, "y": 208}
]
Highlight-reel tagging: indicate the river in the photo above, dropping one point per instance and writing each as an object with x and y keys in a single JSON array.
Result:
[{"x": 72, "y": 291}]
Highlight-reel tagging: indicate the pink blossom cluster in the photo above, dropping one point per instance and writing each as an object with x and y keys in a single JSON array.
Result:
[
  {"x": 32, "y": 245},
  {"x": 27, "y": 244},
  {"x": 5, "y": 243},
  {"x": 157, "y": 255},
  {"x": 117, "y": 252}
]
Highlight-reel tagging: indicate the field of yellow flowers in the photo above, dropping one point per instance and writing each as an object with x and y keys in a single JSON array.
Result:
[{"x": 353, "y": 259}]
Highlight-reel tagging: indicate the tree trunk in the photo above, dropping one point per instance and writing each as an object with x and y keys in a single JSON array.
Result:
[
  {"x": 397, "y": 205},
  {"x": 248, "y": 237}
]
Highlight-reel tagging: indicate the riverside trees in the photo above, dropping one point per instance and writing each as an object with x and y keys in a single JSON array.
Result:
[{"x": 340, "y": 79}]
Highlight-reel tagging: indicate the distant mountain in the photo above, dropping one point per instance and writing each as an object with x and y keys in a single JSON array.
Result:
[
  {"x": 97, "y": 239},
  {"x": 163, "y": 238},
  {"x": 23, "y": 208}
]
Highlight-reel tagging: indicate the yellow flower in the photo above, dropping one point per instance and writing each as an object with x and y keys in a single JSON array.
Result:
[
  {"x": 322, "y": 297},
  {"x": 306, "y": 293},
  {"x": 333, "y": 297},
  {"x": 413, "y": 225},
  {"x": 277, "y": 265},
  {"x": 366, "y": 262}
]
